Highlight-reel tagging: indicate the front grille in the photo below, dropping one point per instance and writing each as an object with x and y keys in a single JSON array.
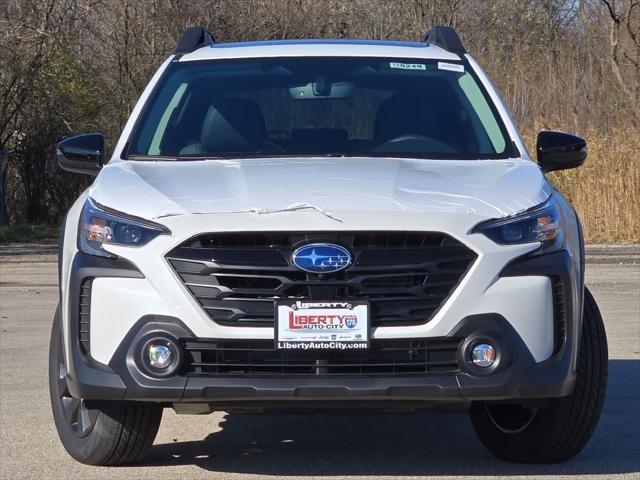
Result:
[
  {"x": 260, "y": 358},
  {"x": 83, "y": 314},
  {"x": 236, "y": 277}
]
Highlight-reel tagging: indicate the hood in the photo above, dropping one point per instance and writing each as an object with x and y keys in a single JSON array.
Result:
[{"x": 485, "y": 188}]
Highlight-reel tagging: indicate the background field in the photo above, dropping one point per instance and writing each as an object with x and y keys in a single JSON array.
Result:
[{"x": 72, "y": 66}]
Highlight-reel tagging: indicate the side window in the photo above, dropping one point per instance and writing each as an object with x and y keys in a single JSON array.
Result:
[{"x": 482, "y": 109}]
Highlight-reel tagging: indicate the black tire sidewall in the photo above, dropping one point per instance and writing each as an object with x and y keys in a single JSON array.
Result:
[{"x": 92, "y": 448}]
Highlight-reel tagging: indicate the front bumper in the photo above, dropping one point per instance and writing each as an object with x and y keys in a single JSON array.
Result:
[{"x": 519, "y": 376}]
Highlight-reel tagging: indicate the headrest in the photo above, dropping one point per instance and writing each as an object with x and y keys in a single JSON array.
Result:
[{"x": 233, "y": 125}]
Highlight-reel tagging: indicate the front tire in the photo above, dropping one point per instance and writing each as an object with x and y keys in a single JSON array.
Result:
[
  {"x": 97, "y": 433},
  {"x": 560, "y": 431}
]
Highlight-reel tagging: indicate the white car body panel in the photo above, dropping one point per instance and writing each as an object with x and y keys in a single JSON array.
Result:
[
  {"x": 69, "y": 249},
  {"x": 484, "y": 188},
  {"x": 319, "y": 48}
]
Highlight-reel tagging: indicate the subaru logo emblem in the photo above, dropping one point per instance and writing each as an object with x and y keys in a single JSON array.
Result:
[{"x": 321, "y": 258}]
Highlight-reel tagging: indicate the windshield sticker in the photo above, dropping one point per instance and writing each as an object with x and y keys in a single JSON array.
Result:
[
  {"x": 453, "y": 67},
  {"x": 408, "y": 66}
]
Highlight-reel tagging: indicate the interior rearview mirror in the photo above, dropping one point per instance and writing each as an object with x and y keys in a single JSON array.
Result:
[
  {"x": 560, "y": 151},
  {"x": 82, "y": 153},
  {"x": 322, "y": 89}
]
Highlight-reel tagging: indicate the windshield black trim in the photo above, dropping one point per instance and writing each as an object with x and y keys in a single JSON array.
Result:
[
  {"x": 510, "y": 149},
  {"x": 258, "y": 156}
]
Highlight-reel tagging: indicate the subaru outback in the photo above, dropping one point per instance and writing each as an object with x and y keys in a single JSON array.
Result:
[{"x": 324, "y": 225}]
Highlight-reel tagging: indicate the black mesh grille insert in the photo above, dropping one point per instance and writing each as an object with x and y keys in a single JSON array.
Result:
[
  {"x": 83, "y": 317},
  {"x": 559, "y": 314},
  {"x": 260, "y": 358},
  {"x": 236, "y": 277}
]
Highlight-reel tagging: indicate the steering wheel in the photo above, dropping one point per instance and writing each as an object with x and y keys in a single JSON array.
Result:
[
  {"x": 271, "y": 148},
  {"x": 414, "y": 143}
]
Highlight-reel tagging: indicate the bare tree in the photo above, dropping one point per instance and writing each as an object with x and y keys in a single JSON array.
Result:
[
  {"x": 625, "y": 21},
  {"x": 71, "y": 66}
]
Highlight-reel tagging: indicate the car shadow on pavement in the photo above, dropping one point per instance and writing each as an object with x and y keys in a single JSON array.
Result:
[{"x": 401, "y": 445}]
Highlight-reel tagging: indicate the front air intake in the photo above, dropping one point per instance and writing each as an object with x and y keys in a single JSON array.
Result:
[{"x": 261, "y": 358}]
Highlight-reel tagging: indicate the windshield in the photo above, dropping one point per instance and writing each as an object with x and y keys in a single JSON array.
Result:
[{"x": 319, "y": 106}]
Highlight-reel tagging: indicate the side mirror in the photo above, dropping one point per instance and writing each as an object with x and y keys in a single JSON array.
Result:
[
  {"x": 82, "y": 153},
  {"x": 560, "y": 151}
]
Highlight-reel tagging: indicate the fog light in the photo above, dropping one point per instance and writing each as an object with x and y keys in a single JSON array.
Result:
[
  {"x": 483, "y": 355},
  {"x": 159, "y": 354}
]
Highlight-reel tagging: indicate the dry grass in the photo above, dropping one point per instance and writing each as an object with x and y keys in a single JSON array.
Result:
[{"x": 606, "y": 189}]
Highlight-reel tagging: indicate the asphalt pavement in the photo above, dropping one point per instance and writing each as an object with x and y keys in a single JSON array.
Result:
[{"x": 398, "y": 446}]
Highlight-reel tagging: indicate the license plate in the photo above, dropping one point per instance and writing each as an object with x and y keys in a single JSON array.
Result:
[{"x": 323, "y": 325}]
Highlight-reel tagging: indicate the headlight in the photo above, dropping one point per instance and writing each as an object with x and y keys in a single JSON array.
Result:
[
  {"x": 540, "y": 224},
  {"x": 102, "y": 226}
]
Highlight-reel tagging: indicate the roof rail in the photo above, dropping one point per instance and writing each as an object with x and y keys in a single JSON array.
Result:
[
  {"x": 193, "y": 38},
  {"x": 445, "y": 37}
]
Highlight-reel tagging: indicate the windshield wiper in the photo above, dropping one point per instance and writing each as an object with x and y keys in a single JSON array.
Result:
[
  {"x": 234, "y": 156},
  {"x": 181, "y": 158}
]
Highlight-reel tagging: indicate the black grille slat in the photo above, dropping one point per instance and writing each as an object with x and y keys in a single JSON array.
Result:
[
  {"x": 327, "y": 365},
  {"x": 260, "y": 358},
  {"x": 559, "y": 314},
  {"x": 406, "y": 276},
  {"x": 84, "y": 311}
]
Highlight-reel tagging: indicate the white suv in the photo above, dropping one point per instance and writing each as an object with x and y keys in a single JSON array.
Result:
[{"x": 319, "y": 225}]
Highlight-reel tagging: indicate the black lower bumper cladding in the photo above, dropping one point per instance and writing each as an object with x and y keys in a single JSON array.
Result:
[{"x": 516, "y": 377}]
